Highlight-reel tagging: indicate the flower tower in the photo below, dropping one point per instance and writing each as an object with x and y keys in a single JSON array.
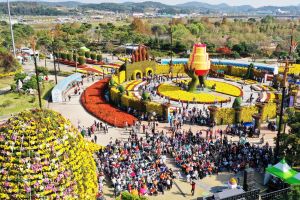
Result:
[
  {"x": 42, "y": 156},
  {"x": 198, "y": 66}
]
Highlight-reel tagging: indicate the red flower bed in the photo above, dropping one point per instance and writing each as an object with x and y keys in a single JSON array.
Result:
[{"x": 94, "y": 102}]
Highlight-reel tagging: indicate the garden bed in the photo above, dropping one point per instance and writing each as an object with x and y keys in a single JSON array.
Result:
[{"x": 94, "y": 102}]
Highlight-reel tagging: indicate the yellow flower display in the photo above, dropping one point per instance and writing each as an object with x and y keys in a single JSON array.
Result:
[
  {"x": 225, "y": 116},
  {"x": 44, "y": 157},
  {"x": 221, "y": 87},
  {"x": 269, "y": 111},
  {"x": 225, "y": 88},
  {"x": 247, "y": 112},
  {"x": 175, "y": 93}
]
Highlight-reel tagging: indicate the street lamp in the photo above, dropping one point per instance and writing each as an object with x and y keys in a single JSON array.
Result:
[
  {"x": 55, "y": 73},
  {"x": 11, "y": 30},
  {"x": 33, "y": 44}
]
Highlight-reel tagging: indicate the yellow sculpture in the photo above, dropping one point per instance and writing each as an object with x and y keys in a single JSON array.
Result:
[{"x": 198, "y": 66}]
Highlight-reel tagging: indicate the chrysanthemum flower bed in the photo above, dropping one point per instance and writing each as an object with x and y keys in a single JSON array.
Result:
[
  {"x": 94, "y": 102},
  {"x": 175, "y": 93},
  {"x": 42, "y": 156}
]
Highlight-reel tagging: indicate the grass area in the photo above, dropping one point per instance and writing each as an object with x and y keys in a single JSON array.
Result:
[
  {"x": 6, "y": 81},
  {"x": 14, "y": 102},
  {"x": 61, "y": 73}
]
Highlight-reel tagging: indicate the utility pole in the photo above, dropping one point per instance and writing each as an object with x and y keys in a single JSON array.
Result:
[
  {"x": 286, "y": 62},
  {"x": 11, "y": 30}
]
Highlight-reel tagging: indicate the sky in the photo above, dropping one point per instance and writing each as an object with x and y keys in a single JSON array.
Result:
[{"x": 254, "y": 3}]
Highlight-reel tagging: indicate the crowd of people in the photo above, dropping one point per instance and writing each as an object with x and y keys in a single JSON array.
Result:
[{"x": 139, "y": 165}]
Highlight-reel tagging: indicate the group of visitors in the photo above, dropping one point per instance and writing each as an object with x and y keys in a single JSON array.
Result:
[
  {"x": 242, "y": 130},
  {"x": 91, "y": 130},
  {"x": 139, "y": 165},
  {"x": 192, "y": 116}
]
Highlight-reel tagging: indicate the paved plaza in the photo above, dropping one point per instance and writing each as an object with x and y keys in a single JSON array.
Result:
[{"x": 74, "y": 111}]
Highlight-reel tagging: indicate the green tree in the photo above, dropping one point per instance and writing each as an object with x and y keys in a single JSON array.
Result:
[
  {"x": 7, "y": 62},
  {"x": 30, "y": 84},
  {"x": 81, "y": 60},
  {"x": 93, "y": 56},
  {"x": 250, "y": 72},
  {"x": 289, "y": 143},
  {"x": 19, "y": 76},
  {"x": 99, "y": 57},
  {"x": 87, "y": 54}
]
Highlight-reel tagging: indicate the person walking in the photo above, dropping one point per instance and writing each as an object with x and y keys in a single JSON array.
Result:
[
  {"x": 95, "y": 138},
  {"x": 193, "y": 188}
]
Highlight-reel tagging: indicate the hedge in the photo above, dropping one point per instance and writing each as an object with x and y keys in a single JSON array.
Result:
[
  {"x": 81, "y": 60},
  {"x": 70, "y": 57},
  {"x": 154, "y": 107},
  {"x": 247, "y": 112},
  {"x": 99, "y": 57},
  {"x": 93, "y": 56},
  {"x": 225, "y": 115},
  {"x": 269, "y": 111},
  {"x": 87, "y": 54},
  {"x": 115, "y": 95},
  {"x": 165, "y": 69}
]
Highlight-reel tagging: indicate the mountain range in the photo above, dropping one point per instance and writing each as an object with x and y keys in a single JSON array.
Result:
[{"x": 130, "y": 7}]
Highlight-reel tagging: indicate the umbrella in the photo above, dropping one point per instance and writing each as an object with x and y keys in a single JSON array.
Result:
[
  {"x": 294, "y": 180},
  {"x": 281, "y": 170}
]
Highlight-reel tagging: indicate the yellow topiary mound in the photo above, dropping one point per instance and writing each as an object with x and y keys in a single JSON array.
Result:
[{"x": 43, "y": 156}]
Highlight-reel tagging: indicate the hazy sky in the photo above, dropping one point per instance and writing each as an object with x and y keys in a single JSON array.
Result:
[{"x": 254, "y": 3}]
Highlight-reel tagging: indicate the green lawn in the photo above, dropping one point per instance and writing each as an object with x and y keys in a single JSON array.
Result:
[
  {"x": 6, "y": 81},
  {"x": 13, "y": 102}
]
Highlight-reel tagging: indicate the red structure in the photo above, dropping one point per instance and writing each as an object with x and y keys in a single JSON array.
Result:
[{"x": 140, "y": 54}]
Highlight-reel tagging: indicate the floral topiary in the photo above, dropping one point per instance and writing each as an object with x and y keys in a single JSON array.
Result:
[
  {"x": 237, "y": 103},
  {"x": 42, "y": 156}
]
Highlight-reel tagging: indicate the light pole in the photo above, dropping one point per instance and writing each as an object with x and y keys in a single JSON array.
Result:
[
  {"x": 11, "y": 29},
  {"x": 75, "y": 60},
  {"x": 55, "y": 73},
  {"x": 36, "y": 72}
]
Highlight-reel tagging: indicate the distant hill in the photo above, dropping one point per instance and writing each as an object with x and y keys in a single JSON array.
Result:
[
  {"x": 194, "y": 5},
  {"x": 39, "y": 7}
]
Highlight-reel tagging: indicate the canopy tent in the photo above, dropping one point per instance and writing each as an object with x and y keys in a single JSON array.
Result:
[
  {"x": 294, "y": 180},
  {"x": 64, "y": 85},
  {"x": 281, "y": 170}
]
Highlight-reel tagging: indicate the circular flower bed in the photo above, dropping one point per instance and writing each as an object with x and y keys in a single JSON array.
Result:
[
  {"x": 175, "y": 93},
  {"x": 221, "y": 87},
  {"x": 43, "y": 156}
]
